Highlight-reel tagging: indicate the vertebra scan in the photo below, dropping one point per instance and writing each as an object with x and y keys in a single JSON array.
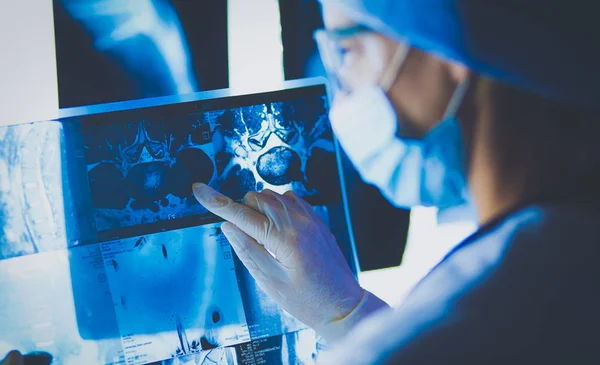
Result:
[{"x": 271, "y": 145}]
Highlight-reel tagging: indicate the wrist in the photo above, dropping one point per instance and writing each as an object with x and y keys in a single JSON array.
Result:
[
  {"x": 346, "y": 306},
  {"x": 340, "y": 326}
]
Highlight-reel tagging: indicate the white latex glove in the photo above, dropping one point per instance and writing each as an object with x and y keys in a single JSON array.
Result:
[{"x": 293, "y": 257}]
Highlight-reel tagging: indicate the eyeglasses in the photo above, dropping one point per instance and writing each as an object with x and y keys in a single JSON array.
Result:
[
  {"x": 332, "y": 46},
  {"x": 357, "y": 56}
]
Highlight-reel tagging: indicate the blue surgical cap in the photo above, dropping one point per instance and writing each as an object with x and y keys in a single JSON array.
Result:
[{"x": 550, "y": 47}]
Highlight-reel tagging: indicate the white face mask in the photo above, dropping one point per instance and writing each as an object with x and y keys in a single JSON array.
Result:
[{"x": 428, "y": 172}]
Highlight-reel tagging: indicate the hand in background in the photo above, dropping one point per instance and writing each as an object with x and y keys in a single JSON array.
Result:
[
  {"x": 13, "y": 358},
  {"x": 32, "y": 358}
]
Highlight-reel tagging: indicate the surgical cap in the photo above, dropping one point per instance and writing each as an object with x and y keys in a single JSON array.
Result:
[{"x": 549, "y": 47}]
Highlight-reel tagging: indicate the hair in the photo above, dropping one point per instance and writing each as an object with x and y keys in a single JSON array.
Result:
[{"x": 553, "y": 147}]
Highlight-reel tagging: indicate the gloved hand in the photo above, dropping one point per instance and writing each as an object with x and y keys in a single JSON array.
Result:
[{"x": 293, "y": 257}]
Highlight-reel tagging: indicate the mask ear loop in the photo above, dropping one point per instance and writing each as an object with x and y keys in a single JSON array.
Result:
[
  {"x": 457, "y": 99},
  {"x": 453, "y": 105},
  {"x": 392, "y": 71}
]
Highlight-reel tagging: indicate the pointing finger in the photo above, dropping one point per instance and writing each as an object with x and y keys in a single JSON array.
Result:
[{"x": 247, "y": 219}]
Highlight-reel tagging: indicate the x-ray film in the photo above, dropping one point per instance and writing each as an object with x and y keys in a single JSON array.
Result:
[
  {"x": 180, "y": 285},
  {"x": 117, "y": 50},
  {"x": 31, "y": 190},
  {"x": 297, "y": 348},
  {"x": 107, "y": 258}
]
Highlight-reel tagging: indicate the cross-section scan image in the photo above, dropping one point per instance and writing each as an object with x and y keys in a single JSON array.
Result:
[
  {"x": 142, "y": 171},
  {"x": 281, "y": 146},
  {"x": 141, "y": 167}
]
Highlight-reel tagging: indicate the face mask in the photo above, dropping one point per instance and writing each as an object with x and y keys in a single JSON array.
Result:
[{"x": 428, "y": 172}]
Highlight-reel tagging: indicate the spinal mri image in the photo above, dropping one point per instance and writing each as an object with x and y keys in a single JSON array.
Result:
[
  {"x": 281, "y": 146},
  {"x": 141, "y": 169}
]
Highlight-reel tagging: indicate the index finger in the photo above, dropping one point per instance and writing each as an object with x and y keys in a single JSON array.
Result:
[{"x": 248, "y": 220}]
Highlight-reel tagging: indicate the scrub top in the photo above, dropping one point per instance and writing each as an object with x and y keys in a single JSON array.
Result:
[{"x": 524, "y": 289}]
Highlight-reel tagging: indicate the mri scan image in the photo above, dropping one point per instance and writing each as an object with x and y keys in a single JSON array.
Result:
[
  {"x": 281, "y": 146},
  {"x": 141, "y": 168},
  {"x": 142, "y": 171}
]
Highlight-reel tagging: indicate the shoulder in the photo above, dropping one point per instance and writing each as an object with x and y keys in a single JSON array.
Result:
[{"x": 537, "y": 235}]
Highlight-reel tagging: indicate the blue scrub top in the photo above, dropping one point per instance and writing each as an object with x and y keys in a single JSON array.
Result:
[{"x": 524, "y": 289}]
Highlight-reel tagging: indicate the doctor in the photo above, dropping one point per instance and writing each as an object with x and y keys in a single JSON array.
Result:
[
  {"x": 442, "y": 102},
  {"x": 439, "y": 102}
]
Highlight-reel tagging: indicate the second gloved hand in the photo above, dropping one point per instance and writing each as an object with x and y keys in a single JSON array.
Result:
[{"x": 291, "y": 254}]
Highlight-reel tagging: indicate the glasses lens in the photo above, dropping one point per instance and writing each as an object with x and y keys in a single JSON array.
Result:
[{"x": 332, "y": 57}]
